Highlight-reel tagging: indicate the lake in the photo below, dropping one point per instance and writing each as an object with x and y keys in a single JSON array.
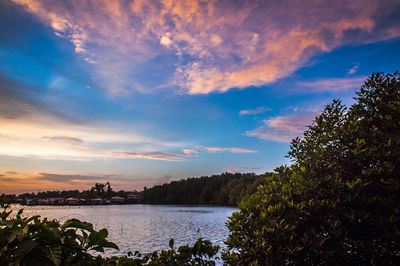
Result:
[{"x": 145, "y": 228}]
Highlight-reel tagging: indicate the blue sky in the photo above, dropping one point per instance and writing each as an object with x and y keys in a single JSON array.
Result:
[{"x": 144, "y": 92}]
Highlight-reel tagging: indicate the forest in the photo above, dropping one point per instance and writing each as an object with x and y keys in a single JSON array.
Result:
[{"x": 224, "y": 189}]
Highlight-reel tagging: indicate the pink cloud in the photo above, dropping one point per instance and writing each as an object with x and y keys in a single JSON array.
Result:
[
  {"x": 226, "y": 149},
  {"x": 176, "y": 156},
  {"x": 13, "y": 182},
  {"x": 230, "y": 45},
  {"x": 282, "y": 128},
  {"x": 333, "y": 84}
]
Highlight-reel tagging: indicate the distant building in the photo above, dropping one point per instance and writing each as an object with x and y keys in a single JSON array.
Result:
[
  {"x": 83, "y": 201},
  {"x": 133, "y": 196},
  {"x": 55, "y": 201},
  {"x": 97, "y": 201},
  {"x": 31, "y": 202},
  {"x": 117, "y": 199},
  {"x": 42, "y": 201},
  {"x": 72, "y": 201}
]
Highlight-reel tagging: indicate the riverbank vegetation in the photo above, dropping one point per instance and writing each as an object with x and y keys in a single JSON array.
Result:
[
  {"x": 338, "y": 203},
  {"x": 98, "y": 194},
  {"x": 225, "y": 189}
]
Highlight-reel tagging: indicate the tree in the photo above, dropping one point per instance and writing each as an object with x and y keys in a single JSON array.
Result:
[
  {"x": 99, "y": 188},
  {"x": 109, "y": 190},
  {"x": 339, "y": 202}
]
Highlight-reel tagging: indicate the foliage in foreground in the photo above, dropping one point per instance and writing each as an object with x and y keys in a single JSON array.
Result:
[
  {"x": 202, "y": 253},
  {"x": 35, "y": 241},
  {"x": 339, "y": 203}
]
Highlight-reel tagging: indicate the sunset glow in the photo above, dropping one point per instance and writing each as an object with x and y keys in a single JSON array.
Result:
[{"x": 140, "y": 92}]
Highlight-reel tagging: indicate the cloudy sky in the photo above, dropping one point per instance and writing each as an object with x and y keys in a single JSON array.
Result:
[{"x": 143, "y": 92}]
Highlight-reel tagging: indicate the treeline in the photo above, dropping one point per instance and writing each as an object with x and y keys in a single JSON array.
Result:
[
  {"x": 223, "y": 189},
  {"x": 98, "y": 190}
]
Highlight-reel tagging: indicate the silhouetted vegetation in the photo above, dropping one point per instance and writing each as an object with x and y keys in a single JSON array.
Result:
[
  {"x": 339, "y": 203},
  {"x": 224, "y": 189},
  {"x": 36, "y": 241}
]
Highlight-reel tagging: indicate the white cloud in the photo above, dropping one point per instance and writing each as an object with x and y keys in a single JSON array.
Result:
[
  {"x": 258, "y": 110},
  {"x": 165, "y": 40},
  {"x": 354, "y": 69}
]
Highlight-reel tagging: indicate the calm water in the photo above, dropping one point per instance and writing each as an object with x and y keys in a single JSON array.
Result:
[{"x": 145, "y": 228}]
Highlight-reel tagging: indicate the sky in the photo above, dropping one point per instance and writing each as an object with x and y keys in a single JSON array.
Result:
[{"x": 143, "y": 92}]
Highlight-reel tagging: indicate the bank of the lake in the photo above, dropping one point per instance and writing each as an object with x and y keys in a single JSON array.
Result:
[{"x": 145, "y": 228}]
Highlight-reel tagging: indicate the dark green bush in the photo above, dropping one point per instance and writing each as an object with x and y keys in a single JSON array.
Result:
[
  {"x": 339, "y": 203},
  {"x": 202, "y": 253}
]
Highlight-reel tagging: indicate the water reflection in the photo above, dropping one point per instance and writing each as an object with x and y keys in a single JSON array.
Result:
[{"x": 145, "y": 228}]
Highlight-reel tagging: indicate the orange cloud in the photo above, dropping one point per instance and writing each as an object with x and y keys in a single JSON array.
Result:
[
  {"x": 17, "y": 183},
  {"x": 40, "y": 134},
  {"x": 34, "y": 182},
  {"x": 64, "y": 139},
  {"x": 227, "y": 44}
]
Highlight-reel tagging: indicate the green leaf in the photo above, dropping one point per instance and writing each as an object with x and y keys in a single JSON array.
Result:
[
  {"x": 109, "y": 244},
  {"x": 56, "y": 255},
  {"x": 103, "y": 233},
  {"x": 24, "y": 249},
  {"x": 12, "y": 236},
  {"x": 75, "y": 223}
]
